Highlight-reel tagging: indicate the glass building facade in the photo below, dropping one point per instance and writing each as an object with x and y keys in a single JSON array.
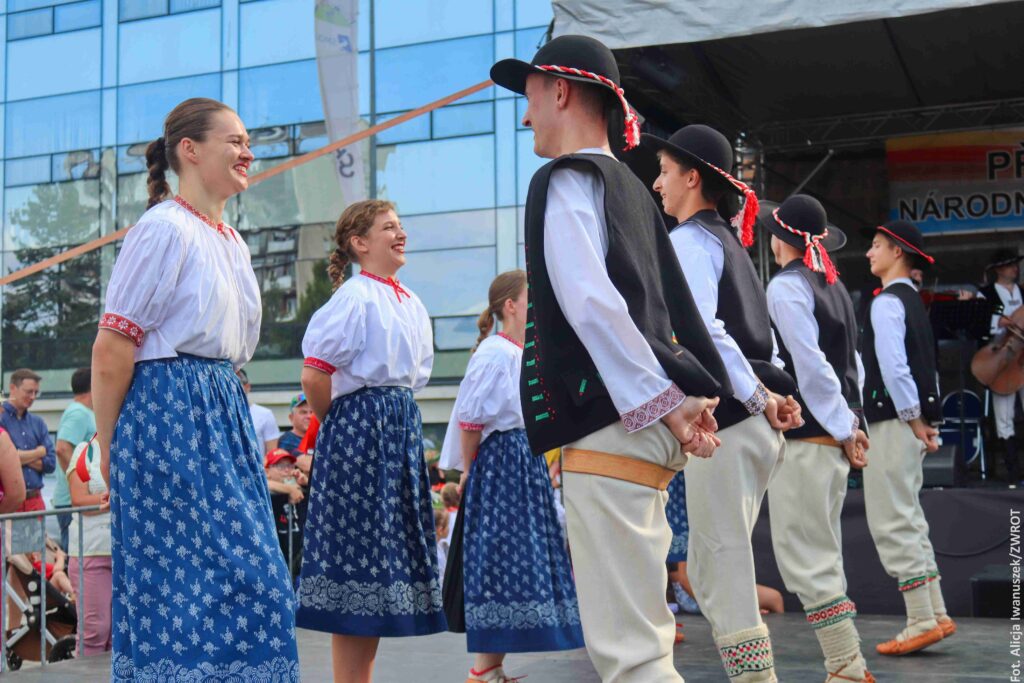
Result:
[{"x": 87, "y": 84}]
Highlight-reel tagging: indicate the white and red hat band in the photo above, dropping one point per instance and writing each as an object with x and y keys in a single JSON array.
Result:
[
  {"x": 745, "y": 219},
  {"x": 815, "y": 256},
  {"x": 632, "y": 131}
]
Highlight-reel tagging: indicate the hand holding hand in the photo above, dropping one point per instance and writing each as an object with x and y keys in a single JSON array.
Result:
[{"x": 783, "y": 412}]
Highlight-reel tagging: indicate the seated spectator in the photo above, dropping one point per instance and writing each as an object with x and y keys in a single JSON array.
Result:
[
  {"x": 12, "y": 481},
  {"x": 262, "y": 418},
  {"x": 299, "y": 414},
  {"x": 283, "y": 476},
  {"x": 56, "y": 567},
  {"x": 85, "y": 481},
  {"x": 442, "y": 531}
]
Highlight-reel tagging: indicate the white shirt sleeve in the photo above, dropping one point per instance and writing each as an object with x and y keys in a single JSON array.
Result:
[
  {"x": 701, "y": 257},
  {"x": 888, "y": 319},
  {"x": 791, "y": 306},
  {"x": 426, "y": 364},
  {"x": 336, "y": 333},
  {"x": 575, "y": 248},
  {"x": 483, "y": 394}
]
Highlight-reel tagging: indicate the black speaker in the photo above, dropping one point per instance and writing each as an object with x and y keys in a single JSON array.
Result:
[
  {"x": 940, "y": 467},
  {"x": 990, "y": 592}
]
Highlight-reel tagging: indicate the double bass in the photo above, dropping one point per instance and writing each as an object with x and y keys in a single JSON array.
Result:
[{"x": 999, "y": 365}]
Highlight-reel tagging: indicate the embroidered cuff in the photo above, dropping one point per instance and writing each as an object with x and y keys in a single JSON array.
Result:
[
  {"x": 911, "y": 413},
  {"x": 755, "y": 405},
  {"x": 853, "y": 432},
  {"x": 652, "y": 411},
  {"x": 321, "y": 365},
  {"x": 471, "y": 426},
  {"x": 122, "y": 325},
  {"x": 831, "y": 612}
]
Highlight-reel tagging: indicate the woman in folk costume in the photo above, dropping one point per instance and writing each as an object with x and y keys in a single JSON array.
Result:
[
  {"x": 518, "y": 588},
  {"x": 200, "y": 587},
  {"x": 814, "y": 322},
  {"x": 369, "y": 559}
]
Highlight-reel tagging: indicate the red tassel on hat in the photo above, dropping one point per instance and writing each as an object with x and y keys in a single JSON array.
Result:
[
  {"x": 632, "y": 123},
  {"x": 816, "y": 258}
]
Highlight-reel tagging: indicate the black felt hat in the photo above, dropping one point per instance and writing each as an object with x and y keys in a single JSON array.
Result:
[
  {"x": 804, "y": 213},
  {"x": 907, "y": 236},
  {"x": 1003, "y": 257},
  {"x": 704, "y": 146},
  {"x": 575, "y": 58}
]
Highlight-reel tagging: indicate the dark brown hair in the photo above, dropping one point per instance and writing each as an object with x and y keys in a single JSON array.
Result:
[
  {"x": 22, "y": 374},
  {"x": 355, "y": 221},
  {"x": 506, "y": 286},
  {"x": 190, "y": 119}
]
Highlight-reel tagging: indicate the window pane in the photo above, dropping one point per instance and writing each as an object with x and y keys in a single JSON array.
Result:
[
  {"x": 27, "y": 171},
  {"x": 133, "y": 195},
  {"x": 140, "y": 9},
  {"x": 451, "y": 282},
  {"x": 53, "y": 124},
  {"x": 413, "y": 129},
  {"x": 189, "y": 5},
  {"x": 409, "y": 77},
  {"x": 18, "y": 5},
  {"x": 51, "y": 215},
  {"x": 41, "y": 66},
  {"x": 451, "y": 334},
  {"x": 27, "y": 24},
  {"x": 306, "y": 194},
  {"x": 141, "y": 109},
  {"x": 466, "y": 119},
  {"x": 272, "y": 32},
  {"x": 401, "y": 22},
  {"x": 446, "y": 230},
  {"x": 168, "y": 47},
  {"x": 533, "y": 12},
  {"x": 78, "y": 165},
  {"x": 275, "y": 141},
  {"x": 528, "y": 42},
  {"x": 527, "y": 163},
  {"x": 436, "y": 176},
  {"x": 131, "y": 158},
  {"x": 78, "y": 15},
  {"x": 279, "y": 94}
]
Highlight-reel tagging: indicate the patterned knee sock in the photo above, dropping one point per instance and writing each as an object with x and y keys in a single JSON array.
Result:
[
  {"x": 747, "y": 655},
  {"x": 920, "y": 614},
  {"x": 832, "y": 621},
  {"x": 935, "y": 592}
]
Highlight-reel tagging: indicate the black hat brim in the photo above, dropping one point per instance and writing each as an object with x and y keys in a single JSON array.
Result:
[
  {"x": 511, "y": 74},
  {"x": 1004, "y": 262},
  {"x": 923, "y": 260},
  {"x": 656, "y": 144},
  {"x": 832, "y": 242}
]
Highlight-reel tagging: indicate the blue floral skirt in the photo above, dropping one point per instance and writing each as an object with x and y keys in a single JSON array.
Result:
[
  {"x": 369, "y": 557},
  {"x": 677, "y": 519},
  {"x": 518, "y": 585},
  {"x": 201, "y": 591}
]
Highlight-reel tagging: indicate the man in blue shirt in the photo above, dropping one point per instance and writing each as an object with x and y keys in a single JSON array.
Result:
[
  {"x": 30, "y": 436},
  {"x": 77, "y": 424}
]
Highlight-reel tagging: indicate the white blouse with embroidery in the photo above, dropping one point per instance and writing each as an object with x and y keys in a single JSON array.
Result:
[
  {"x": 181, "y": 285},
  {"x": 371, "y": 333},
  {"x": 488, "y": 399}
]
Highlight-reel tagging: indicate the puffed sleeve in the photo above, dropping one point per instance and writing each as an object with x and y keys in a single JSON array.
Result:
[
  {"x": 336, "y": 333},
  {"x": 144, "y": 278},
  {"x": 483, "y": 394}
]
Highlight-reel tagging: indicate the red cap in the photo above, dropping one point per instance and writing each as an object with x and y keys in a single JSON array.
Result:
[{"x": 277, "y": 455}]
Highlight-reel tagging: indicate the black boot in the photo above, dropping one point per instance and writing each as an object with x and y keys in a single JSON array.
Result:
[{"x": 1010, "y": 459}]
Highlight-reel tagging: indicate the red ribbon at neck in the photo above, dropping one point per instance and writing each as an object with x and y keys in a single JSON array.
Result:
[{"x": 390, "y": 282}]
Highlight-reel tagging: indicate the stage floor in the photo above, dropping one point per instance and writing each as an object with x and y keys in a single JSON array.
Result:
[{"x": 980, "y": 651}]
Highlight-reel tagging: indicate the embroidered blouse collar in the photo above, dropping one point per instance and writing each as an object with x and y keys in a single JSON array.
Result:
[
  {"x": 510, "y": 339},
  {"x": 391, "y": 282}
]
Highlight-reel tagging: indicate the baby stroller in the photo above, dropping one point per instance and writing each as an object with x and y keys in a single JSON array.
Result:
[{"x": 23, "y": 641}]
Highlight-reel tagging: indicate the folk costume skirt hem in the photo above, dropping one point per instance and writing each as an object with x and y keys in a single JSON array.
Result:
[{"x": 369, "y": 557}]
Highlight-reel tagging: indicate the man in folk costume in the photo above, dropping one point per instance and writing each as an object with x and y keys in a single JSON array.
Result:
[
  {"x": 817, "y": 331},
  {"x": 901, "y": 402},
  {"x": 724, "y": 493},
  {"x": 603, "y": 375},
  {"x": 1004, "y": 292}
]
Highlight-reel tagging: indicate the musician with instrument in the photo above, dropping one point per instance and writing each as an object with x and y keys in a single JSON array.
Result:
[
  {"x": 901, "y": 404},
  {"x": 998, "y": 366}
]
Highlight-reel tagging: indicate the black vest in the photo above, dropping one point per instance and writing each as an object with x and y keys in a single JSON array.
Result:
[
  {"x": 562, "y": 395},
  {"x": 920, "y": 345},
  {"x": 837, "y": 339},
  {"x": 743, "y": 309}
]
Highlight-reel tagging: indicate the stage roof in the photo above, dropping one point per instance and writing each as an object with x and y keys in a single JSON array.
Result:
[{"x": 805, "y": 74}]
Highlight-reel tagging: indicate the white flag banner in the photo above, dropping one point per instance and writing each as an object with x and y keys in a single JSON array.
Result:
[{"x": 337, "y": 58}]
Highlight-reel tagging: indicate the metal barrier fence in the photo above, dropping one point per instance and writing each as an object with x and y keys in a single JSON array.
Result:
[{"x": 14, "y": 536}]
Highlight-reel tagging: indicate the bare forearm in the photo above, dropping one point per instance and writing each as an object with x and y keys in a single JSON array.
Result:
[
  {"x": 317, "y": 387},
  {"x": 64, "y": 451},
  {"x": 470, "y": 443},
  {"x": 32, "y": 456},
  {"x": 113, "y": 365}
]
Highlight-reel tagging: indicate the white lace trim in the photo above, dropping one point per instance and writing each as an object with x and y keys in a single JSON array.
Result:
[{"x": 523, "y": 615}]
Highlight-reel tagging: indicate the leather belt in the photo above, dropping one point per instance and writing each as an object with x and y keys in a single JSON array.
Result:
[
  {"x": 33, "y": 493},
  {"x": 582, "y": 461},
  {"x": 822, "y": 441}
]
